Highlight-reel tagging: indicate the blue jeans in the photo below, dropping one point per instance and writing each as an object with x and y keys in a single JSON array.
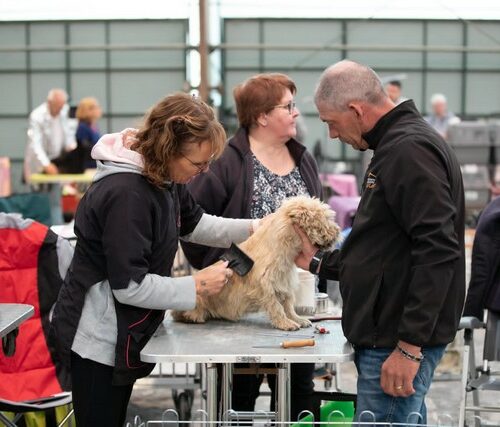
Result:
[{"x": 386, "y": 408}]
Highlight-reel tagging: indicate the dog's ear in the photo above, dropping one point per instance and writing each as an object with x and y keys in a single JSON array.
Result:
[
  {"x": 315, "y": 218},
  {"x": 297, "y": 212},
  {"x": 301, "y": 209}
]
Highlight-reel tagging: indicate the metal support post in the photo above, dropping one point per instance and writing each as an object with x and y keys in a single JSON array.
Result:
[
  {"x": 283, "y": 393},
  {"x": 227, "y": 388},
  {"x": 212, "y": 391}
]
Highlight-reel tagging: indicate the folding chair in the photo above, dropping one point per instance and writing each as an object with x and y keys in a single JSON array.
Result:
[
  {"x": 479, "y": 378},
  {"x": 20, "y": 408},
  {"x": 33, "y": 263}
]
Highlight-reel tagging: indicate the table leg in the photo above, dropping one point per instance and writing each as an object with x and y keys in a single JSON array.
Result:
[
  {"x": 283, "y": 393},
  {"x": 212, "y": 391},
  {"x": 227, "y": 388}
]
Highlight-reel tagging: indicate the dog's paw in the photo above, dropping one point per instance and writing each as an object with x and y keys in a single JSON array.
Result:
[
  {"x": 188, "y": 316},
  {"x": 177, "y": 315},
  {"x": 287, "y": 325},
  {"x": 303, "y": 322}
]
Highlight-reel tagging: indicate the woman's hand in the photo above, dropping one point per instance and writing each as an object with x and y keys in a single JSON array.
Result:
[
  {"x": 304, "y": 258},
  {"x": 212, "y": 279}
]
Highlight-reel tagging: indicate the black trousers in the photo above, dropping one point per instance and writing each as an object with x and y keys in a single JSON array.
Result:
[
  {"x": 246, "y": 389},
  {"x": 97, "y": 402}
]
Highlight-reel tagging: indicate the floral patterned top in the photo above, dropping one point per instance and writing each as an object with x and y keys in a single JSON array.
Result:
[{"x": 270, "y": 190}]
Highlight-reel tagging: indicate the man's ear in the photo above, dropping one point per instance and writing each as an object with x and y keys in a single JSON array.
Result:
[{"x": 357, "y": 109}]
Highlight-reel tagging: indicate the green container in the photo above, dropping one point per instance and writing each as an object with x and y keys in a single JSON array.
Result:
[{"x": 336, "y": 409}]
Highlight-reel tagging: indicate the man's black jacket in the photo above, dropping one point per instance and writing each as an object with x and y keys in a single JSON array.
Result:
[{"x": 402, "y": 268}]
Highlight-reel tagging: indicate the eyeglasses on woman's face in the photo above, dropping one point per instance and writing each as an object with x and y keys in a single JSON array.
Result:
[
  {"x": 290, "y": 107},
  {"x": 200, "y": 166}
]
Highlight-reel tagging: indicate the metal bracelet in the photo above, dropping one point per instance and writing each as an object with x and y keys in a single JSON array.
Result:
[{"x": 410, "y": 356}]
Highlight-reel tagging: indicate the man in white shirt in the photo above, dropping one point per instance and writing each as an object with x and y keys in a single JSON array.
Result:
[
  {"x": 440, "y": 118},
  {"x": 50, "y": 133}
]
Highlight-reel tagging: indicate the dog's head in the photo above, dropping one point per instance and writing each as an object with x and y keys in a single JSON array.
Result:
[{"x": 314, "y": 217}]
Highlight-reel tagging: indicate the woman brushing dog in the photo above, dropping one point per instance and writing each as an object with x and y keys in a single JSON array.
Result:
[
  {"x": 261, "y": 166},
  {"x": 128, "y": 225}
]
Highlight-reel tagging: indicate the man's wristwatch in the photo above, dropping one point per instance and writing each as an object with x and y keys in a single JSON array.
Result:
[{"x": 315, "y": 263}]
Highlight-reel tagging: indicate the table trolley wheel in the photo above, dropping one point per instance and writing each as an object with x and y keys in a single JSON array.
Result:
[
  {"x": 183, "y": 403},
  {"x": 9, "y": 343}
]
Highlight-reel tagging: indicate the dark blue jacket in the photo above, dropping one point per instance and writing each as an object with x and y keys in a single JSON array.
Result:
[
  {"x": 86, "y": 138},
  {"x": 484, "y": 285}
]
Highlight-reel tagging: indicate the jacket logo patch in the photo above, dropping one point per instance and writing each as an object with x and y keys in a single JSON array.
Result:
[{"x": 371, "y": 180}]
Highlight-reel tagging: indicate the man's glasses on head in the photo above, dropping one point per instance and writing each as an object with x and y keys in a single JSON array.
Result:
[{"x": 290, "y": 107}]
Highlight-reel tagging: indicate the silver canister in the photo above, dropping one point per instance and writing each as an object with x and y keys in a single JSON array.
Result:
[
  {"x": 321, "y": 302},
  {"x": 305, "y": 303}
]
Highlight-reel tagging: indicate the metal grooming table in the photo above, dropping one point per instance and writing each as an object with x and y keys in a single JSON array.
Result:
[
  {"x": 219, "y": 341},
  {"x": 11, "y": 316}
]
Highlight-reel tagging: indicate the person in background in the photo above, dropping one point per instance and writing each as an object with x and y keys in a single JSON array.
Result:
[
  {"x": 51, "y": 133},
  {"x": 440, "y": 118},
  {"x": 128, "y": 225},
  {"x": 402, "y": 267},
  {"x": 393, "y": 89},
  {"x": 301, "y": 128},
  {"x": 261, "y": 166},
  {"x": 87, "y": 133},
  {"x": 484, "y": 286}
]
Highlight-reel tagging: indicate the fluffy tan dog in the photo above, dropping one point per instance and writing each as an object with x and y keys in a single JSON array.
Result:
[{"x": 270, "y": 284}]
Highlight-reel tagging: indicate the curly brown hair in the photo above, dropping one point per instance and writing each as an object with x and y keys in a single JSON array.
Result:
[{"x": 170, "y": 125}]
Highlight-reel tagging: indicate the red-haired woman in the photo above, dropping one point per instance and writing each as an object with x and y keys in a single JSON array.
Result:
[{"x": 261, "y": 166}]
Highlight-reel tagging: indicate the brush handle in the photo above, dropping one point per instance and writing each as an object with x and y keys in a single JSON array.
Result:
[{"x": 298, "y": 343}]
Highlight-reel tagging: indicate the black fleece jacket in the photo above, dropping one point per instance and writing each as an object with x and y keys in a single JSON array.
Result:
[{"x": 402, "y": 268}]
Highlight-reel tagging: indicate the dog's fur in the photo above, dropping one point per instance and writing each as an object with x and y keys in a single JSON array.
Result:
[{"x": 270, "y": 284}]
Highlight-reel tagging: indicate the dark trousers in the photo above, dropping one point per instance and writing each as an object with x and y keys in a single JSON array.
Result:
[
  {"x": 246, "y": 389},
  {"x": 97, "y": 402}
]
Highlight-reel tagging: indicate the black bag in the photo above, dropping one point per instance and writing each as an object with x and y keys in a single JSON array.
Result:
[{"x": 74, "y": 161}]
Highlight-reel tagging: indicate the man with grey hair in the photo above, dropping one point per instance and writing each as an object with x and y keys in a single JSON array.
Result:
[
  {"x": 401, "y": 269},
  {"x": 50, "y": 133},
  {"x": 440, "y": 118}
]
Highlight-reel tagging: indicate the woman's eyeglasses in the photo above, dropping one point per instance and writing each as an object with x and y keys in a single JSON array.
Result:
[
  {"x": 202, "y": 166},
  {"x": 290, "y": 106}
]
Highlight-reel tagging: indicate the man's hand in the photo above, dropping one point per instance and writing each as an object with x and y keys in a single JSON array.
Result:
[
  {"x": 398, "y": 372},
  {"x": 51, "y": 169},
  {"x": 304, "y": 258}
]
